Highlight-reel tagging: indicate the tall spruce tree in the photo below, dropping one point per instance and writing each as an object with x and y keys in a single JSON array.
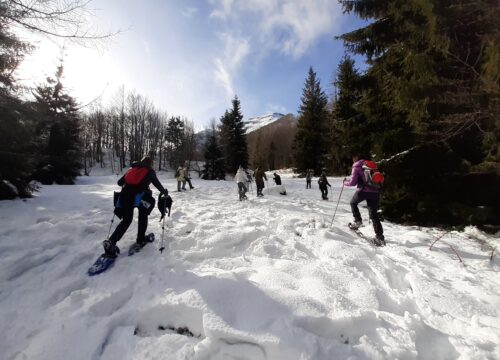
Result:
[
  {"x": 17, "y": 150},
  {"x": 214, "y": 168},
  {"x": 348, "y": 123},
  {"x": 59, "y": 129},
  {"x": 233, "y": 138},
  {"x": 239, "y": 139},
  {"x": 310, "y": 145},
  {"x": 175, "y": 139},
  {"x": 432, "y": 89}
]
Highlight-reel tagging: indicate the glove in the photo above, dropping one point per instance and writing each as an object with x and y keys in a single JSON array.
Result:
[{"x": 165, "y": 192}]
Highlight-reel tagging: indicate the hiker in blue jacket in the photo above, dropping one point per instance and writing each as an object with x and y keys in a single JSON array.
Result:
[{"x": 135, "y": 193}]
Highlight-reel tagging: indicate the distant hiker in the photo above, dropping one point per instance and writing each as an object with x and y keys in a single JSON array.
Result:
[
  {"x": 135, "y": 193},
  {"x": 187, "y": 177},
  {"x": 309, "y": 175},
  {"x": 248, "y": 182},
  {"x": 241, "y": 179},
  {"x": 179, "y": 176},
  {"x": 367, "y": 192},
  {"x": 259, "y": 175},
  {"x": 323, "y": 183},
  {"x": 277, "y": 179}
]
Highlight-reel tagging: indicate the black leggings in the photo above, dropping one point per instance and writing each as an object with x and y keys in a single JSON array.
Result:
[
  {"x": 128, "y": 215},
  {"x": 324, "y": 192},
  {"x": 372, "y": 200}
]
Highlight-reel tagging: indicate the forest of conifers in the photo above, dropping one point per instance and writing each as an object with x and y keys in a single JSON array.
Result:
[{"x": 426, "y": 107}]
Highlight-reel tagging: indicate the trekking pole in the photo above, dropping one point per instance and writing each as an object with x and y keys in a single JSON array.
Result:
[
  {"x": 110, "y": 225},
  {"x": 162, "y": 234},
  {"x": 337, "y": 204}
]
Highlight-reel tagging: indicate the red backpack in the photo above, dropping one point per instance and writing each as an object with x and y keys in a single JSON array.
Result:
[
  {"x": 373, "y": 177},
  {"x": 135, "y": 175}
]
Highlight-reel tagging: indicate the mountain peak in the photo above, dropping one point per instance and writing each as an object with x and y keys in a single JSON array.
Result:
[{"x": 257, "y": 122}]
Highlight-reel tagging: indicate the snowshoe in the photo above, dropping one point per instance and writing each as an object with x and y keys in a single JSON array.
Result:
[
  {"x": 106, "y": 260},
  {"x": 355, "y": 225},
  {"x": 136, "y": 247},
  {"x": 102, "y": 264}
]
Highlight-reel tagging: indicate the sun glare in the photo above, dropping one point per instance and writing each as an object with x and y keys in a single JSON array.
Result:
[{"x": 88, "y": 73}]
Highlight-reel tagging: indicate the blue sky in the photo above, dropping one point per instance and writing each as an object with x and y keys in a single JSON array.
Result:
[{"x": 190, "y": 57}]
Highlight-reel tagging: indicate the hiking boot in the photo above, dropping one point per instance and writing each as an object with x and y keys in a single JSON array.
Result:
[
  {"x": 355, "y": 225},
  {"x": 380, "y": 240},
  {"x": 110, "y": 249}
]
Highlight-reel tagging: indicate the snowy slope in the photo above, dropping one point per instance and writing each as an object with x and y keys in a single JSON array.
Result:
[
  {"x": 267, "y": 278},
  {"x": 258, "y": 122}
]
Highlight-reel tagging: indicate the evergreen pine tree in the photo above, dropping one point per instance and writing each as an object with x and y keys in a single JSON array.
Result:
[
  {"x": 175, "y": 139},
  {"x": 17, "y": 151},
  {"x": 60, "y": 125},
  {"x": 311, "y": 142},
  {"x": 226, "y": 134},
  {"x": 214, "y": 161},
  {"x": 233, "y": 138},
  {"x": 348, "y": 124},
  {"x": 432, "y": 88},
  {"x": 239, "y": 137}
]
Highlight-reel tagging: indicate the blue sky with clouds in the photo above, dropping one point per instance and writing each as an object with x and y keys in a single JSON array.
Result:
[{"x": 192, "y": 56}]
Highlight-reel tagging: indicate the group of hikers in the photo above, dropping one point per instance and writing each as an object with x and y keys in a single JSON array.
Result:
[
  {"x": 244, "y": 180},
  {"x": 136, "y": 193}
]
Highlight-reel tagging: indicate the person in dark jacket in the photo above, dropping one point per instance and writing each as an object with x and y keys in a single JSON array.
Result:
[
  {"x": 135, "y": 193},
  {"x": 368, "y": 193},
  {"x": 260, "y": 176},
  {"x": 277, "y": 179},
  {"x": 323, "y": 183},
  {"x": 309, "y": 175}
]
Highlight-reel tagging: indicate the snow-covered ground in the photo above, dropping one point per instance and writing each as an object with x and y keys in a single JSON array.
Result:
[{"x": 267, "y": 278}]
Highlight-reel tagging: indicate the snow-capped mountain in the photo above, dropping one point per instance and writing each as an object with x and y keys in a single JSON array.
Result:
[{"x": 258, "y": 122}]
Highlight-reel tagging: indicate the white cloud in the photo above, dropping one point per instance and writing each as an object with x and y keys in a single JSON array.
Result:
[
  {"x": 224, "y": 78},
  {"x": 147, "y": 47},
  {"x": 224, "y": 10},
  {"x": 189, "y": 12},
  {"x": 275, "y": 108},
  {"x": 236, "y": 50},
  {"x": 289, "y": 26}
]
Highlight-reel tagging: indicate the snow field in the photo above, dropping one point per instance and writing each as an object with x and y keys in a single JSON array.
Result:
[{"x": 266, "y": 278}]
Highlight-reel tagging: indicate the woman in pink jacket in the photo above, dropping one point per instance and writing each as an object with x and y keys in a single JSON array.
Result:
[{"x": 368, "y": 193}]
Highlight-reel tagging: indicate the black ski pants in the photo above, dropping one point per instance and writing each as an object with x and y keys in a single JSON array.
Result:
[
  {"x": 128, "y": 215},
  {"x": 372, "y": 200},
  {"x": 260, "y": 186},
  {"x": 324, "y": 191},
  {"x": 242, "y": 189},
  {"x": 308, "y": 184}
]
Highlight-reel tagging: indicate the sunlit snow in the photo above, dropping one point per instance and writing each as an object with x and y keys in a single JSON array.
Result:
[{"x": 267, "y": 278}]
